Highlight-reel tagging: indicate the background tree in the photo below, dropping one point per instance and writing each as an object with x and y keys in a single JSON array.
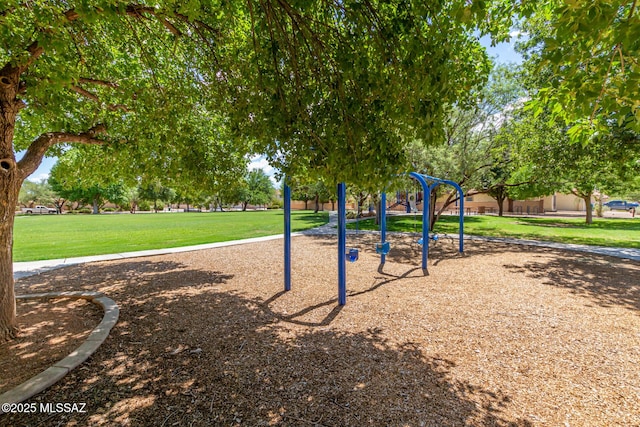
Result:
[
  {"x": 598, "y": 165},
  {"x": 155, "y": 191},
  {"x": 472, "y": 155},
  {"x": 259, "y": 189},
  {"x": 85, "y": 176},
  {"x": 32, "y": 193},
  {"x": 58, "y": 199},
  {"x": 131, "y": 198},
  {"x": 301, "y": 189},
  {"x": 322, "y": 194}
]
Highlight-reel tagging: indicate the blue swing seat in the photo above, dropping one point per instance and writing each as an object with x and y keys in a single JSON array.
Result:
[
  {"x": 433, "y": 237},
  {"x": 383, "y": 248}
]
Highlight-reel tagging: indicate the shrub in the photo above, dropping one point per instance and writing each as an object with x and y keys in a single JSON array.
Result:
[
  {"x": 144, "y": 206},
  {"x": 276, "y": 204}
]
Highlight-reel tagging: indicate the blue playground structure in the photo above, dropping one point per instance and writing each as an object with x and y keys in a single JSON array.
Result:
[{"x": 428, "y": 184}]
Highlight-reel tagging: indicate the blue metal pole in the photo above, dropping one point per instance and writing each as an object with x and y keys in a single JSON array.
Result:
[
  {"x": 461, "y": 225},
  {"x": 426, "y": 209},
  {"x": 425, "y": 217},
  {"x": 287, "y": 238},
  {"x": 461, "y": 216},
  {"x": 342, "y": 243},
  {"x": 383, "y": 224}
]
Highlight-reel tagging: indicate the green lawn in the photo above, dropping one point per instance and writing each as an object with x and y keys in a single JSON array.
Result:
[
  {"x": 40, "y": 237},
  {"x": 614, "y": 232}
]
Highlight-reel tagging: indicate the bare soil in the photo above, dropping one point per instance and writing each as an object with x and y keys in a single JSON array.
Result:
[
  {"x": 503, "y": 335},
  {"x": 50, "y": 329}
]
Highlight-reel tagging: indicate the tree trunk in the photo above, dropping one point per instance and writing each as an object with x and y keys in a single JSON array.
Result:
[
  {"x": 96, "y": 207},
  {"x": 317, "y": 200},
  {"x": 8, "y": 322},
  {"x": 432, "y": 210},
  {"x": 11, "y": 178},
  {"x": 587, "y": 204}
]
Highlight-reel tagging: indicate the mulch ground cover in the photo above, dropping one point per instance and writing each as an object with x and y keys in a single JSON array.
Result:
[{"x": 503, "y": 335}]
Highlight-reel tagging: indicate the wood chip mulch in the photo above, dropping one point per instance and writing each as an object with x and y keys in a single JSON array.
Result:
[{"x": 503, "y": 335}]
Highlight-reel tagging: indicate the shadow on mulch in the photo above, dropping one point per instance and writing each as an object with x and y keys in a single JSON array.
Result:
[
  {"x": 50, "y": 329},
  {"x": 607, "y": 281},
  {"x": 187, "y": 351}
]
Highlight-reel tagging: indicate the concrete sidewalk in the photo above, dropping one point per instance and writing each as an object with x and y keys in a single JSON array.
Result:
[{"x": 24, "y": 269}]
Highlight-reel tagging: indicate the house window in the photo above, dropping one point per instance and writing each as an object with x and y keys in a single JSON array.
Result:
[{"x": 468, "y": 199}]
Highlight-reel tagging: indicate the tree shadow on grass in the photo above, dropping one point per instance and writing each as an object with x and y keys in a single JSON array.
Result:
[{"x": 188, "y": 352}]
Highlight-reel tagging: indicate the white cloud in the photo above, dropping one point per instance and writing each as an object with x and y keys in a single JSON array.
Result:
[
  {"x": 260, "y": 162},
  {"x": 38, "y": 177}
]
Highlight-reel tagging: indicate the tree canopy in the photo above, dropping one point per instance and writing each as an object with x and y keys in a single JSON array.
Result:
[
  {"x": 327, "y": 89},
  {"x": 588, "y": 54}
]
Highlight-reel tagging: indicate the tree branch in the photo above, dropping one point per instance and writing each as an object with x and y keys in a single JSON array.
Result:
[
  {"x": 35, "y": 51},
  {"x": 98, "y": 82},
  {"x": 38, "y": 148},
  {"x": 85, "y": 93},
  {"x": 94, "y": 97},
  {"x": 137, "y": 11}
]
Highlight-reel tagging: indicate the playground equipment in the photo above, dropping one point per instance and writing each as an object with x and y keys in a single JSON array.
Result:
[
  {"x": 408, "y": 200},
  {"x": 383, "y": 246}
]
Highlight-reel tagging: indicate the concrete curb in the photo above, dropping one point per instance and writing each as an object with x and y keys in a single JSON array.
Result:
[{"x": 54, "y": 373}]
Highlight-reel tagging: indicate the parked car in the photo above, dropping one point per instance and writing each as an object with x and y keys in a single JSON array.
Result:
[
  {"x": 621, "y": 205},
  {"x": 39, "y": 210}
]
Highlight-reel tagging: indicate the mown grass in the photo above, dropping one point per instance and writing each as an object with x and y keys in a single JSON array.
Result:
[
  {"x": 612, "y": 232},
  {"x": 40, "y": 237}
]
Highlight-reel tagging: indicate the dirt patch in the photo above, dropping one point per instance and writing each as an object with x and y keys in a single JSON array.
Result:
[
  {"x": 503, "y": 335},
  {"x": 50, "y": 329}
]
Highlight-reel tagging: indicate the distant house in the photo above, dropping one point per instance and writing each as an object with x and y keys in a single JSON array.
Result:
[{"x": 483, "y": 203}]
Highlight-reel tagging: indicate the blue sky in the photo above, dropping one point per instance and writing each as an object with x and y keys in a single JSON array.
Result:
[{"x": 502, "y": 53}]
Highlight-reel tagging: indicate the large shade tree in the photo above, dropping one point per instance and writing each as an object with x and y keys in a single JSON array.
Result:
[{"x": 326, "y": 88}]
